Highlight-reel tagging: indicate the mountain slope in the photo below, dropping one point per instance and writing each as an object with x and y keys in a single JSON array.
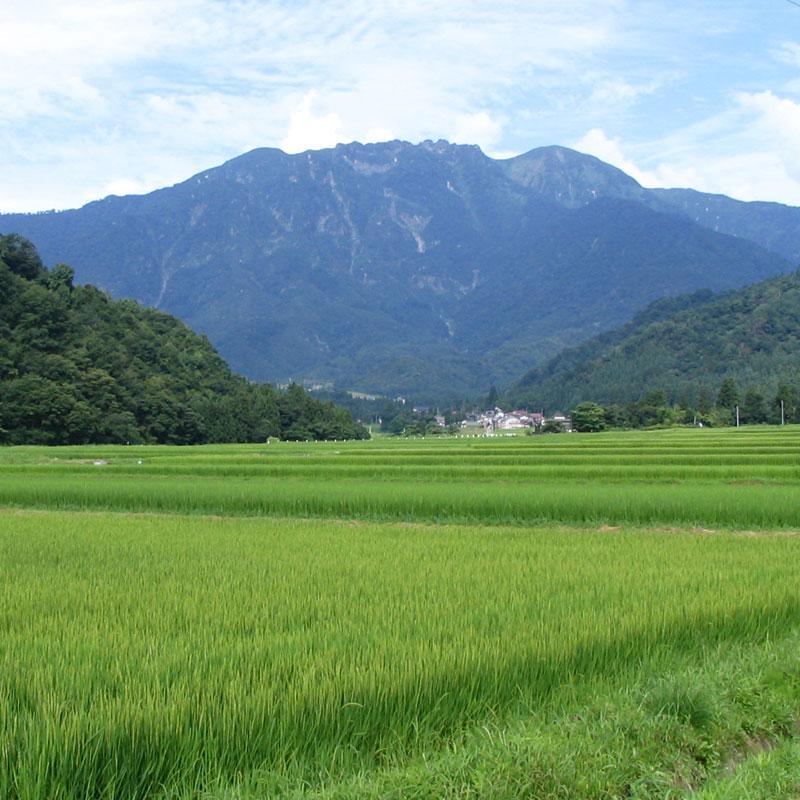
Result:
[
  {"x": 570, "y": 178},
  {"x": 574, "y": 179},
  {"x": 394, "y": 268},
  {"x": 680, "y": 346},
  {"x": 77, "y": 367},
  {"x": 774, "y": 226}
]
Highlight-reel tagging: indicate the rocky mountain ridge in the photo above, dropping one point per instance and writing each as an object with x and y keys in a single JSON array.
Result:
[{"x": 426, "y": 269}]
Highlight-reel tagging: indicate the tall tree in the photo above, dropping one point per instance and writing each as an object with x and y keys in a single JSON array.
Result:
[
  {"x": 728, "y": 397},
  {"x": 704, "y": 403},
  {"x": 588, "y": 418},
  {"x": 754, "y": 409},
  {"x": 784, "y": 404}
]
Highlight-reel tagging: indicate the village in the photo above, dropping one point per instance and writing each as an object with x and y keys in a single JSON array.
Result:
[{"x": 497, "y": 422}]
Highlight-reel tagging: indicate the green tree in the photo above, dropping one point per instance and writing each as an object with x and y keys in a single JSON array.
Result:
[
  {"x": 651, "y": 410},
  {"x": 727, "y": 400},
  {"x": 656, "y": 398},
  {"x": 616, "y": 416},
  {"x": 551, "y": 426},
  {"x": 728, "y": 397},
  {"x": 21, "y": 257},
  {"x": 754, "y": 409},
  {"x": 787, "y": 395},
  {"x": 61, "y": 277},
  {"x": 396, "y": 425},
  {"x": 588, "y": 418}
]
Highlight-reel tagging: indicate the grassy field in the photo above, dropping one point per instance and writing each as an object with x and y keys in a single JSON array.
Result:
[{"x": 609, "y": 615}]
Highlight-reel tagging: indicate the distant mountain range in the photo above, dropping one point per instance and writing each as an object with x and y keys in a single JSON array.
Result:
[
  {"x": 430, "y": 269},
  {"x": 681, "y": 346}
]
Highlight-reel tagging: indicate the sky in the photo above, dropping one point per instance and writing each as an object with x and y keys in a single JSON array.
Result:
[{"x": 102, "y": 97}]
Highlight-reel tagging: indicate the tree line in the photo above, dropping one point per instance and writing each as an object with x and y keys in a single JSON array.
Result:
[
  {"x": 78, "y": 367},
  {"x": 754, "y": 406}
]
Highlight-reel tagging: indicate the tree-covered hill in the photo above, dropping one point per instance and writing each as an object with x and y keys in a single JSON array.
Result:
[
  {"x": 77, "y": 367},
  {"x": 684, "y": 347}
]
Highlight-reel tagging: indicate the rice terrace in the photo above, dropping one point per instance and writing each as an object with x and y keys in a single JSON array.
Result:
[{"x": 566, "y": 616}]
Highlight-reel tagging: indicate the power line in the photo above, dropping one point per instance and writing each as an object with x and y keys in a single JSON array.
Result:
[{"x": 794, "y": 3}]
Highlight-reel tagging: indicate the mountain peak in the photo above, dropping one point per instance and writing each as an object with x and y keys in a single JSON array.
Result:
[{"x": 568, "y": 177}]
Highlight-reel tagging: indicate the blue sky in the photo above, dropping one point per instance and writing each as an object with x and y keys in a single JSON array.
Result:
[{"x": 123, "y": 97}]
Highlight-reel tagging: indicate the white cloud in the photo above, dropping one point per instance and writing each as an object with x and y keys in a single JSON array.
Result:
[
  {"x": 618, "y": 93},
  {"x": 773, "y": 120},
  {"x": 53, "y": 52},
  {"x": 309, "y": 130},
  {"x": 123, "y": 186},
  {"x": 128, "y": 88},
  {"x": 596, "y": 143},
  {"x": 789, "y": 52},
  {"x": 378, "y": 135},
  {"x": 751, "y": 151},
  {"x": 478, "y": 128},
  {"x": 97, "y": 93}
]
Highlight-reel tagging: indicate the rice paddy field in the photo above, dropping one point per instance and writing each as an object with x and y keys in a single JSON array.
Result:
[{"x": 562, "y": 616}]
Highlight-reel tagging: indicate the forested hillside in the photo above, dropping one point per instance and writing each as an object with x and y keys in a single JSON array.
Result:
[
  {"x": 77, "y": 367},
  {"x": 685, "y": 347}
]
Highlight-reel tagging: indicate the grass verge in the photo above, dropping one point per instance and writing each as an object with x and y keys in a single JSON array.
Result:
[{"x": 720, "y": 727}]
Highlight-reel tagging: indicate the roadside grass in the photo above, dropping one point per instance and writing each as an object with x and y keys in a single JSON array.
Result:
[
  {"x": 771, "y": 774},
  {"x": 732, "y": 735}
]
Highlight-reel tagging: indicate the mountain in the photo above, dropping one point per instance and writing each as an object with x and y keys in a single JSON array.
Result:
[
  {"x": 394, "y": 268},
  {"x": 680, "y": 346},
  {"x": 573, "y": 179},
  {"x": 774, "y": 226},
  {"x": 77, "y": 367}
]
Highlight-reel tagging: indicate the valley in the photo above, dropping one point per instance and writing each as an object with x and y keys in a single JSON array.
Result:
[{"x": 399, "y": 401}]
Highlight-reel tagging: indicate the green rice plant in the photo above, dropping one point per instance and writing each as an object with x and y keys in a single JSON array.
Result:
[
  {"x": 767, "y": 774},
  {"x": 242, "y": 614},
  {"x": 139, "y": 652},
  {"x": 468, "y": 472},
  {"x": 711, "y": 504}
]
